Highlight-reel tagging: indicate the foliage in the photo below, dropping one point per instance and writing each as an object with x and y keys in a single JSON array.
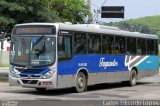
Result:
[
  {"x": 4, "y": 65},
  {"x": 73, "y": 11},
  {"x": 23, "y": 11},
  {"x": 3, "y": 79},
  {"x": 26, "y": 11},
  {"x": 149, "y": 25},
  {"x": 133, "y": 27}
]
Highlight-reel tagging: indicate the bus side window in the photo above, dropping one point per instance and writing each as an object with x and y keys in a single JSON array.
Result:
[
  {"x": 64, "y": 47},
  {"x": 120, "y": 45},
  {"x": 107, "y": 44},
  {"x": 156, "y": 47},
  {"x": 131, "y": 46},
  {"x": 80, "y": 43},
  {"x": 94, "y": 44},
  {"x": 150, "y": 47},
  {"x": 141, "y": 46}
]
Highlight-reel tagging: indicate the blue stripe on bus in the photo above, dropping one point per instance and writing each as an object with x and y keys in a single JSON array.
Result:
[
  {"x": 34, "y": 72},
  {"x": 93, "y": 63},
  {"x": 102, "y": 63}
]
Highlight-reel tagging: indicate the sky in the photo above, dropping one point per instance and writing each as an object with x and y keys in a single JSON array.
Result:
[{"x": 133, "y": 8}]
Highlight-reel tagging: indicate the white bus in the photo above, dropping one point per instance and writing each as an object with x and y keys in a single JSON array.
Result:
[{"x": 57, "y": 55}]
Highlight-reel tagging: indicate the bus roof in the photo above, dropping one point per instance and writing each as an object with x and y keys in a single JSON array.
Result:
[
  {"x": 91, "y": 28},
  {"x": 94, "y": 28}
]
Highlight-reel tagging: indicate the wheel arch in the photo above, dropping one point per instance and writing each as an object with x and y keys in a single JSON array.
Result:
[
  {"x": 135, "y": 68},
  {"x": 85, "y": 71}
]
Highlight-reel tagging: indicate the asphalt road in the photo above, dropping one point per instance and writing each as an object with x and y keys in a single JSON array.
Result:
[{"x": 146, "y": 89}]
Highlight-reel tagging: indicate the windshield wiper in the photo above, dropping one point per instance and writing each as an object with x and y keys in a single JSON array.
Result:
[
  {"x": 39, "y": 40},
  {"x": 40, "y": 50}
]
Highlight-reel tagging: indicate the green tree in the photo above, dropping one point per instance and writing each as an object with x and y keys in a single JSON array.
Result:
[
  {"x": 23, "y": 11},
  {"x": 74, "y": 11}
]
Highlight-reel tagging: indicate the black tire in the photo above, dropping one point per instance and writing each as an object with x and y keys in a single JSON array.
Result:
[
  {"x": 41, "y": 89},
  {"x": 133, "y": 79},
  {"x": 81, "y": 83}
]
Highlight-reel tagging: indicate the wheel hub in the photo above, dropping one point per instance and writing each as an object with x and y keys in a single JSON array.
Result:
[
  {"x": 80, "y": 82},
  {"x": 134, "y": 78}
]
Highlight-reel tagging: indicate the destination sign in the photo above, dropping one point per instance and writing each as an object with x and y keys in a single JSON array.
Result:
[{"x": 34, "y": 30}]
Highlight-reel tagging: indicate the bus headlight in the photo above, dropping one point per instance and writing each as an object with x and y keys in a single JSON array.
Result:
[
  {"x": 49, "y": 74},
  {"x": 14, "y": 73}
]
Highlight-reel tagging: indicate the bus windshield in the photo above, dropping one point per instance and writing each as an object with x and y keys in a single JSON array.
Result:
[{"x": 33, "y": 50}]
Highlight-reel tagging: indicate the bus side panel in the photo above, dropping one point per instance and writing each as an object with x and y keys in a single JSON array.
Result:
[
  {"x": 107, "y": 77},
  {"x": 66, "y": 73},
  {"x": 148, "y": 67},
  {"x": 101, "y": 69},
  {"x": 105, "y": 68}
]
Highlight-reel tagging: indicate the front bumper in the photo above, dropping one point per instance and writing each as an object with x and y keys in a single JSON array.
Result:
[{"x": 32, "y": 83}]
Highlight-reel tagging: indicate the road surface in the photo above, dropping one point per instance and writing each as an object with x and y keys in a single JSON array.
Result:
[{"x": 146, "y": 89}]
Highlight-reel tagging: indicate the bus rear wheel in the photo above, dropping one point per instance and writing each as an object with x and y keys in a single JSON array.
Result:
[
  {"x": 133, "y": 78},
  {"x": 81, "y": 83}
]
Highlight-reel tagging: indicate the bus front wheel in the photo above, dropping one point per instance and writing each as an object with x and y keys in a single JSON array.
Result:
[{"x": 81, "y": 83}]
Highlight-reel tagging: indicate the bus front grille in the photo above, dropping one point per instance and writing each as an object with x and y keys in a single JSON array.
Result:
[{"x": 29, "y": 81}]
